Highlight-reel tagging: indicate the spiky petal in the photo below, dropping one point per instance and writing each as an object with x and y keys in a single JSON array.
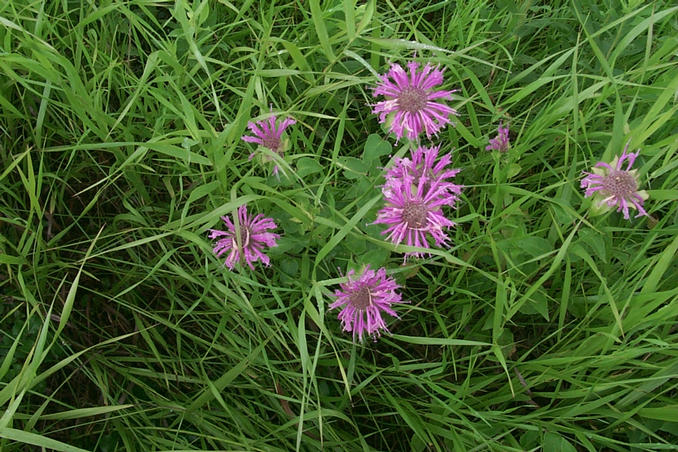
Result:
[
  {"x": 412, "y": 104},
  {"x": 363, "y": 300},
  {"x": 423, "y": 164},
  {"x": 250, "y": 244},
  {"x": 616, "y": 186}
]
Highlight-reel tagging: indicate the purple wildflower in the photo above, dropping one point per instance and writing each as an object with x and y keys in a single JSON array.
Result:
[
  {"x": 501, "y": 141},
  {"x": 251, "y": 241},
  {"x": 614, "y": 186},
  {"x": 363, "y": 299},
  {"x": 410, "y": 106},
  {"x": 268, "y": 136},
  {"x": 413, "y": 211},
  {"x": 423, "y": 164}
]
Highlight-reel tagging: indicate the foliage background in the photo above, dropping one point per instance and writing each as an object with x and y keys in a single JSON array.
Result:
[{"x": 541, "y": 327}]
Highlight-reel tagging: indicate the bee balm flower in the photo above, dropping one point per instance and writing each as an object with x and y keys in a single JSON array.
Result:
[
  {"x": 250, "y": 243},
  {"x": 412, "y": 213},
  {"x": 616, "y": 186},
  {"x": 501, "y": 141},
  {"x": 269, "y": 136},
  {"x": 362, "y": 301},
  {"x": 415, "y": 191},
  {"x": 412, "y": 103}
]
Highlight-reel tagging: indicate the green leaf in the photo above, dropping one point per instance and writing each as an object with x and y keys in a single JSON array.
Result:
[
  {"x": 538, "y": 304},
  {"x": 13, "y": 260},
  {"x": 37, "y": 440},
  {"x": 375, "y": 147},
  {"x": 663, "y": 262},
  {"x": 222, "y": 382},
  {"x": 594, "y": 241},
  {"x": 308, "y": 165},
  {"x": 534, "y": 246},
  {"x": 513, "y": 170},
  {"x": 354, "y": 168},
  {"x": 556, "y": 443},
  {"x": 665, "y": 413},
  {"x": 84, "y": 412},
  {"x": 663, "y": 195},
  {"x": 375, "y": 256},
  {"x": 349, "y": 15},
  {"x": 555, "y": 264},
  {"x": 438, "y": 341},
  {"x": 321, "y": 30},
  {"x": 339, "y": 236},
  {"x": 290, "y": 266},
  {"x": 70, "y": 298}
]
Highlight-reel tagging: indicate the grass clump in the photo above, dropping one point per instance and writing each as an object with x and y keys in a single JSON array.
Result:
[{"x": 541, "y": 326}]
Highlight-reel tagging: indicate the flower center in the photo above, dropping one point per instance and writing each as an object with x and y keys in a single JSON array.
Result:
[
  {"x": 361, "y": 299},
  {"x": 272, "y": 143},
  {"x": 412, "y": 99},
  {"x": 620, "y": 183},
  {"x": 244, "y": 237},
  {"x": 415, "y": 214}
]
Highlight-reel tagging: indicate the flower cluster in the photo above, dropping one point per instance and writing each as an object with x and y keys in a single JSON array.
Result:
[
  {"x": 415, "y": 192},
  {"x": 418, "y": 189}
]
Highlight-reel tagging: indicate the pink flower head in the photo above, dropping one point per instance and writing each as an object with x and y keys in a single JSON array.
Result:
[
  {"x": 363, "y": 299},
  {"x": 413, "y": 211},
  {"x": 615, "y": 186},
  {"x": 501, "y": 141},
  {"x": 411, "y": 104},
  {"x": 269, "y": 136},
  {"x": 251, "y": 242},
  {"x": 423, "y": 164}
]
